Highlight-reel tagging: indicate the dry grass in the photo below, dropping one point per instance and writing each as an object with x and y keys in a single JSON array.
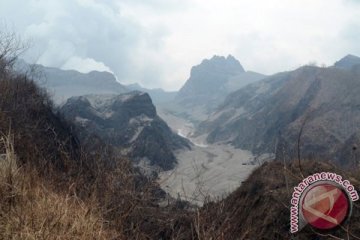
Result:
[
  {"x": 116, "y": 205},
  {"x": 30, "y": 210},
  {"x": 260, "y": 207},
  {"x": 52, "y": 187}
]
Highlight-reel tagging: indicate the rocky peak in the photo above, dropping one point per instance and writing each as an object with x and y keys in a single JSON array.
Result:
[
  {"x": 348, "y": 61},
  {"x": 228, "y": 65},
  {"x": 211, "y": 76}
]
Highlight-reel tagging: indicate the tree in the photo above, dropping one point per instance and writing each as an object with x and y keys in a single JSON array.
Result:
[{"x": 11, "y": 46}]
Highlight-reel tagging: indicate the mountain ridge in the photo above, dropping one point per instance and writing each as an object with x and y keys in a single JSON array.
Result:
[
  {"x": 63, "y": 84},
  {"x": 267, "y": 116},
  {"x": 129, "y": 122}
]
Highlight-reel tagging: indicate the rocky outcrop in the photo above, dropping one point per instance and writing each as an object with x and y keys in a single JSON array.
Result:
[
  {"x": 130, "y": 123},
  {"x": 209, "y": 83},
  {"x": 209, "y": 78}
]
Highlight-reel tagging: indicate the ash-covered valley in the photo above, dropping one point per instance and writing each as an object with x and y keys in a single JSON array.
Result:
[{"x": 204, "y": 140}]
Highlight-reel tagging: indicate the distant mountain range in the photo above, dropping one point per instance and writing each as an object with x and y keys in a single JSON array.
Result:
[
  {"x": 267, "y": 116},
  {"x": 207, "y": 86},
  {"x": 129, "y": 122},
  {"x": 158, "y": 95},
  {"x": 229, "y": 105},
  {"x": 63, "y": 84}
]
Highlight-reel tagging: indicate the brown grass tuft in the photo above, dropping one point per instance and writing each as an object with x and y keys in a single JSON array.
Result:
[{"x": 30, "y": 210}]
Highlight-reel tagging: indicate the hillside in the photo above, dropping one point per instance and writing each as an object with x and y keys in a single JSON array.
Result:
[
  {"x": 53, "y": 186},
  {"x": 129, "y": 122},
  {"x": 27, "y": 112},
  {"x": 268, "y": 115},
  {"x": 260, "y": 208}
]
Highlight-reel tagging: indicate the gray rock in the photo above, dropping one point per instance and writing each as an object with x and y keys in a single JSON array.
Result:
[
  {"x": 209, "y": 83},
  {"x": 129, "y": 122},
  {"x": 266, "y": 117}
]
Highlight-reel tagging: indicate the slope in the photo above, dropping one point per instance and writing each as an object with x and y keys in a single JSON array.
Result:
[
  {"x": 129, "y": 122},
  {"x": 268, "y": 115}
]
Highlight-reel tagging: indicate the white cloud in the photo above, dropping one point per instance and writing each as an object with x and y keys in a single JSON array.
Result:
[
  {"x": 156, "y": 42},
  {"x": 85, "y": 65}
]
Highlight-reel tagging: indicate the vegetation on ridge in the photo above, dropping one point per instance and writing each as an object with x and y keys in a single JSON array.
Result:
[{"x": 53, "y": 187}]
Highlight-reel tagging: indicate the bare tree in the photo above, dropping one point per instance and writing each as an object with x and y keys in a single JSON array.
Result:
[{"x": 11, "y": 47}]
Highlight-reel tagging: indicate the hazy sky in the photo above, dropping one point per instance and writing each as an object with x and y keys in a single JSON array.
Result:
[{"x": 156, "y": 42}]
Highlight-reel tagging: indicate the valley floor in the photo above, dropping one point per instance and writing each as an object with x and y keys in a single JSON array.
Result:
[
  {"x": 207, "y": 170},
  {"x": 211, "y": 171}
]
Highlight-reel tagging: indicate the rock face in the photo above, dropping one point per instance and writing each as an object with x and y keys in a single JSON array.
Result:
[
  {"x": 267, "y": 116},
  {"x": 210, "y": 77},
  {"x": 127, "y": 121},
  {"x": 209, "y": 83}
]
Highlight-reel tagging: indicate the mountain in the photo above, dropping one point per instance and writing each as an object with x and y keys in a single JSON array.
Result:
[
  {"x": 45, "y": 171},
  {"x": 209, "y": 83},
  {"x": 54, "y": 180},
  {"x": 129, "y": 122},
  {"x": 158, "y": 95},
  {"x": 63, "y": 84},
  {"x": 348, "y": 62},
  {"x": 267, "y": 116},
  {"x": 260, "y": 207},
  {"x": 210, "y": 77}
]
